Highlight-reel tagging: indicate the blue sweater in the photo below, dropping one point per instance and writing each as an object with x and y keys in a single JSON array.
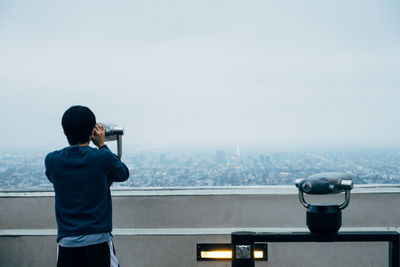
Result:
[{"x": 81, "y": 176}]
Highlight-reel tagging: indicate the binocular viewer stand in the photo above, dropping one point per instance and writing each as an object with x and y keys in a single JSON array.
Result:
[{"x": 324, "y": 218}]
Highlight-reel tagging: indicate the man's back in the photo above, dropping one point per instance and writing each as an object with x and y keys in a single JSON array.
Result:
[{"x": 81, "y": 176}]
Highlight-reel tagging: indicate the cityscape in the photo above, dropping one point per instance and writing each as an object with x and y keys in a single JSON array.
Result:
[{"x": 218, "y": 167}]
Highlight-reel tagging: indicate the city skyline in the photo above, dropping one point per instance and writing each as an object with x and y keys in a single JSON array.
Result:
[{"x": 219, "y": 167}]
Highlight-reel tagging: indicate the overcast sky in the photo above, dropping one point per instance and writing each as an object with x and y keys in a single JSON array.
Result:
[{"x": 203, "y": 72}]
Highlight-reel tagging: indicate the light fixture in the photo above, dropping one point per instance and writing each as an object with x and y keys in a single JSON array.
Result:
[{"x": 223, "y": 252}]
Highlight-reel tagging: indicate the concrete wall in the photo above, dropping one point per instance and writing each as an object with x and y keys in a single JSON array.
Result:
[
  {"x": 180, "y": 251},
  {"x": 162, "y": 227}
]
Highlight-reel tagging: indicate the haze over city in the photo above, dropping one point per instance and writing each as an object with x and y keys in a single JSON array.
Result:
[{"x": 202, "y": 73}]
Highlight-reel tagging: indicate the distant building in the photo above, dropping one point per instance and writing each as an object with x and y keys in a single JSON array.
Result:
[
  {"x": 220, "y": 156},
  {"x": 265, "y": 159},
  {"x": 163, "y": 158}
]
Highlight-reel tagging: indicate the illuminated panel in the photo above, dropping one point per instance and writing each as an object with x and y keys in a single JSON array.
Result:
[
  {"x": 258, "y": 254},
  {"x": 226, "y": 254},
  {"x": 223, "y": 254},
  {"x": 209, "y": 252}
]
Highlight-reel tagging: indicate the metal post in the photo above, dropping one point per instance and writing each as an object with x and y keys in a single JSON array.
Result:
[
  {"x": 119, "y": 145},
  {"x": 394, "y": 252},
  {"x": 243, "y": 249}
]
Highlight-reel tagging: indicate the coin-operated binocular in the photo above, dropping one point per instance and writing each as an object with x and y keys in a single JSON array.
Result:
[
  {"x": 114, "y": 133},
  {"x": 325, "y": 218}
]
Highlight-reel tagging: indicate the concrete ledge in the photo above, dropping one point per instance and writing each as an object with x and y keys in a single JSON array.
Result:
[
  {"x": 210, "y": 191},
  {"x": 216, "y": 208},
  {"x": 182, "y": 231}
]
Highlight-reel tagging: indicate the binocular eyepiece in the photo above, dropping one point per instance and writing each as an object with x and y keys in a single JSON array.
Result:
[
  {"x": 325, "y": 183},
  {"x": 114, "y": 133}
]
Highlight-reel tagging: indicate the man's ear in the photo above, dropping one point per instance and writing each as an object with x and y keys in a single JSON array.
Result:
[{"x": 92, "y": 134}]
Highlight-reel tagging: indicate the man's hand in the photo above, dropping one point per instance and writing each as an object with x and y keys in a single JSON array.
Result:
[{"x": 98, "y": 135}]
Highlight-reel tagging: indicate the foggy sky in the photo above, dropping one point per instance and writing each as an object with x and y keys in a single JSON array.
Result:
[{"x": 202, "y": 72}]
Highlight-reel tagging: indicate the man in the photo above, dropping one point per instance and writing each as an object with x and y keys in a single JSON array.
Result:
[{"x": 81, "y": 177}]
